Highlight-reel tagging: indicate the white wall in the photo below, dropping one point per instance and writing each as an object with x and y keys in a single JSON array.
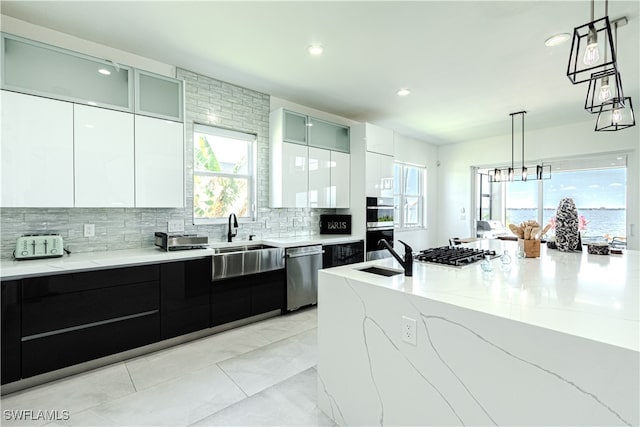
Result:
[
  {"x": 454, "y": 176},
  {"x": 410, "y": 150}
]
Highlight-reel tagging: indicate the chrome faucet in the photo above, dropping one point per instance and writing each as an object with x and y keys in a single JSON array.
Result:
[
  {"x": 231, "y": 235},
  {"x": 407, "y": 262}
]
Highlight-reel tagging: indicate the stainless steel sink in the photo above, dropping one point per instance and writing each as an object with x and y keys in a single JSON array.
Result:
[
  {"x": 381, "y": 271},
  {"x": 242, "y": 248},
  {"x": 247, "y": 259}
]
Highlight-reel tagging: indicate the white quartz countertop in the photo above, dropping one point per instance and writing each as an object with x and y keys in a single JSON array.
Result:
[
  {"x": 592, "y": 296},
  {"x": 10, "y": 269}
]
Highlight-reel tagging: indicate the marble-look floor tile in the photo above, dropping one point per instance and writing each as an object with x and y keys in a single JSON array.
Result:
[
  {"x": 268, "y": 365},
  {"x": 278, "y": 328},
  {"x": 292, "y": 402},
  {"x": 177, "y": 402},
  {"x": 74, "y": 394},
  {"x": 164, "y": 365}
]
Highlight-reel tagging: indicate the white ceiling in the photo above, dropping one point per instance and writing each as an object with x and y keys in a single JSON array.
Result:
[{"x": 468, "y": 63}]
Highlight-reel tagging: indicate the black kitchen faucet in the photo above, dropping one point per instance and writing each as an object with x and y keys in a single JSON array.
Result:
[
  {"x": 407, "y": 262},
  {"x": 231, "y": 235}
]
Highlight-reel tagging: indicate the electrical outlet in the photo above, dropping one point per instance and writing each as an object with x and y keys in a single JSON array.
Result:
[
  {"x": 89, "y": 230},
  {"x": 409, "y": 330},
  {"x": 175, "y": 225}
]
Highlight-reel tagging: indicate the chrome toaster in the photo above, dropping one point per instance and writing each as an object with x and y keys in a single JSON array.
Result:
[{"x": 33, "y": 246}]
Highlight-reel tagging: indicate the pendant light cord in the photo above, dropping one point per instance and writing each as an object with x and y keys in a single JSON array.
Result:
[
  {"x": 512, "y": 141},
  {"x": 523, "y": 139}
]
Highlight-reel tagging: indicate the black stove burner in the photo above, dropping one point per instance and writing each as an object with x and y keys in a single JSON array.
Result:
[{"x": 453, "y": 255}]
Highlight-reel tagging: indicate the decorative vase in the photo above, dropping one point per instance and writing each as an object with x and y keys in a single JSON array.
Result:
[{"x": 567, "y": 234}]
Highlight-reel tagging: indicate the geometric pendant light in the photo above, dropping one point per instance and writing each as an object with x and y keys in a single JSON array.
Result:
[
  {"x": 602, "y": 89},
  {"x": 616, "y": 113},
  {"x": 590, "y": 43},
  {"x": 602, "y": 86},
  {"x": 509, "y": 174},
  {"x": 614, "y": 116}
]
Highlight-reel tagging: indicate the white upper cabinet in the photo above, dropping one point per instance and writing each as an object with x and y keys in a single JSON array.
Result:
[
  {"x": 319, "y": 178},
  {"x": 340, "y": 175},
  {"x": 41, "y": 69},
  {"x": 104, "y": 157},
  {"x": 37, "y": 151},
  {"x": 379, "y": 175},
  {"x": 295, "y": 176},
  {"x": 159, "y": 163},
  {"x": 159, "y": 96},
  {"x": 378, "y": 139},
  {"x": 310, "y": 162},
  {"x": 331, "y": 136},
  {"x": 295, "y": 127}
]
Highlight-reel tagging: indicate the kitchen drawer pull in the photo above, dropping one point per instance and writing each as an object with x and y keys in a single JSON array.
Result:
[{"x": 87, "y": 325}]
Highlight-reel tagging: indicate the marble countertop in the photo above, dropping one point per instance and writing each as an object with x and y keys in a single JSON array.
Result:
[
  {"x": 591, "y": 296},
  {"x": 11, "y": 269}
]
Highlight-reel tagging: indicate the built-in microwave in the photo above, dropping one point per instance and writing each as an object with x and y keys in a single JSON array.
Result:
[{"x": 379, "y": 212}]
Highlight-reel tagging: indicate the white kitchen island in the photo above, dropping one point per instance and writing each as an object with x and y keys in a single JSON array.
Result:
[{"x": 553, "y": 341}]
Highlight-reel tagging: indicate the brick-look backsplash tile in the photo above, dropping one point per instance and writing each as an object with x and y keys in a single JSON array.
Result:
[{"x": 208, "y": 101}]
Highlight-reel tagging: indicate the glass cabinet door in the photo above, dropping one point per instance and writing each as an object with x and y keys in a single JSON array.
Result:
[
  {"x": 328, "y": 135},
  {"x": 40, "y": 69},
  {"x": 159, "y": 96},
  {"x": 295, "y": 127}
]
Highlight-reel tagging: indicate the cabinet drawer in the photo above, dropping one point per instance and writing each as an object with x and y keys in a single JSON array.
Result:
[
  {"x": 55, "y": 311},
  {"x": 58, "y": 351}
]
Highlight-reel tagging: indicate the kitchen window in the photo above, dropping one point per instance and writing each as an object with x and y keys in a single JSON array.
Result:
[
  {"x": 409, "y": 183},
  {"x": 223, "y": 174},
  {"x": 598, "y": 186}
]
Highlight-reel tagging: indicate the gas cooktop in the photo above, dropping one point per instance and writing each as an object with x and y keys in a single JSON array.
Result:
[{"x": 456, "y": 256}]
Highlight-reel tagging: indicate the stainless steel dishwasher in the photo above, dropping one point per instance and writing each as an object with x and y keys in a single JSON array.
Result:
[{"x": 302, "y": 264}]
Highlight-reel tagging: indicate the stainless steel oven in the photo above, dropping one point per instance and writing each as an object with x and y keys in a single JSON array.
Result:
[
  {"x": 379, "y": 212},
  {"x": 379, "y": 226}
]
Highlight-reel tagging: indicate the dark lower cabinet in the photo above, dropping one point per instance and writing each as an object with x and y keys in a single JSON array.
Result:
[
  {"x": 244, "y": 296},
  {"x": 48, "y": 353},
  {"x": 10, "y": 331},
  {"x": 342, "y": 254},
  {"x": 185, "y": 296},
  {"x": 73, "y": 318}
]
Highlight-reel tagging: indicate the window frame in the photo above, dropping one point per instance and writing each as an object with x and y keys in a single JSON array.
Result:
[
  {"x": 597, "y": 161},
  {"x": 250, "y": 176},
  {"x": 399, "y": 222}
]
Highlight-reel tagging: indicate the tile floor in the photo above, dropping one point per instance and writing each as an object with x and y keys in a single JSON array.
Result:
[{"x": 259, "y": 374}]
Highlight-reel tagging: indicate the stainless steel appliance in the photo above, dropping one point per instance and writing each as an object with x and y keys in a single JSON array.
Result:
[
  {"x": 380, "y": 212},
  {"x": 34, "y": 246},
  {"x": 172, "y": 242},
  {"x": 379, "y": 226},
  {"x": 456, "y": 256},
  {"x": 491, "y": 229},
  {"x": 302, "y": 265}
]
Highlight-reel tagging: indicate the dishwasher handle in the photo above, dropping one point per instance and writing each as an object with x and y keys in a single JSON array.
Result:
[{"x": 300, "y": 254}]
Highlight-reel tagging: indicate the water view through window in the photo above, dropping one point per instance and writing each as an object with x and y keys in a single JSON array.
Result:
[{"x": 599, "y": 195}]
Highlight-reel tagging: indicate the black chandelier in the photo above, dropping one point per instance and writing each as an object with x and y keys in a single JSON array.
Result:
[{"x": 508, "y": 174}]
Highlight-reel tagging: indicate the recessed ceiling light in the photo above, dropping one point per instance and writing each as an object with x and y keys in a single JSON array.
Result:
[
  {"x": 315, "y": 49},
  {"x": 104, "y": 71},
  {"x": 557, "y": 39},
  {"x": 91, "y": 103},
  {"x": 403, "y": 92}
]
